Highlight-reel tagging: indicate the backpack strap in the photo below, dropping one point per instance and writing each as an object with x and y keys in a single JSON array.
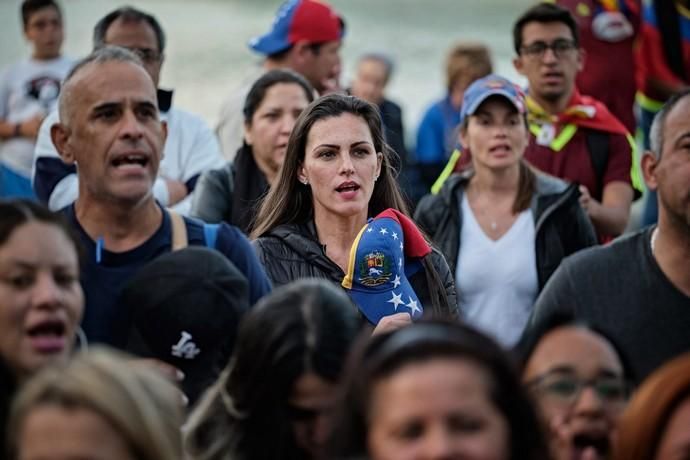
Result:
[
  {"x": 598, "y": 146},
  {"x": 179, "y": 231},
  {"x": 211, "y": 235}
]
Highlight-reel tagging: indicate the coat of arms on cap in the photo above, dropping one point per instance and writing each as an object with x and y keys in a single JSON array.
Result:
[{"x": 375, "y": 269}]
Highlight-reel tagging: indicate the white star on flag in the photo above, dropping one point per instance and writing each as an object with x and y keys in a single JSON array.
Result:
[
  {"x": 413, "y": 306},
  {"x": 396, "y": 281},
  {"x": 395, "y": 236},
  {"x": 399, "y": 263},
  {"x": 383, "y": 231},
  {"x": 396, "y": 300},
  {"x": 369, "y": 230},
  {"x": 401, "y": 246}
]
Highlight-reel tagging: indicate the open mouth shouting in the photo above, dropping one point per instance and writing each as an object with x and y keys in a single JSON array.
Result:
[
  {"x": 348, "y": 190},
  {"x": 591, "y": 441},
  {"x": 130, "y": 161},
  {"x": 502, "y": 149},
  {"x": 48, "y": 336}
]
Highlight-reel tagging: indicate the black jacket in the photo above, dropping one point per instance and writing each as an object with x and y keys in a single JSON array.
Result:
[
  {"x": 232, "y": 193},
  {"x": 561, "y": 225},
  {"x": 8, "y": 387},
  {"x": 292, "y": 251}
]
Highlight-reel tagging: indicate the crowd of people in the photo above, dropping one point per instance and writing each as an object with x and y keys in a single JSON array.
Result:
[{"x": 280, "y": 288}]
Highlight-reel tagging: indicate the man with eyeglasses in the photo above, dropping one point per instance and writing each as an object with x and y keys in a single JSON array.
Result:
[
  {"x": 637, "y": 288},
  {"x": 190, "y": 149},
  {"x": 573, "y": 136}
]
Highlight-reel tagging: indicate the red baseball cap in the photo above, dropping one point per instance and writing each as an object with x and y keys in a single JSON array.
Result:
[{"x": 313, "y": 21}]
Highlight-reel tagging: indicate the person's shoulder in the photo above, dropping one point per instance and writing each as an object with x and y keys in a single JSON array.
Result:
[
  {"x": 221, "y": 177},
  {"x": 286, "y": 239},
  {"x": 238, "y": 92},
  {"x": 184, "y": 118},
  {"x": 281, "y": 232},
  {"x": 230, "y": 231},
  {"x": 433, "y": 206},
  {"x": 14, "y": 69},
  {"x": 605, "y": 259},
  {"x": 65, "y": 63},
  {"x": 391, "y": 106},
  {"x": 547, "y": 184},
  {"x": 446, "y": 195},
  {"x": 434, "y": 109}
]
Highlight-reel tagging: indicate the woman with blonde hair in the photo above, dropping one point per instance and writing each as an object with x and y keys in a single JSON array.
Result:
[
  {"x": 655, "y": 424},
  {"x": 99, "y": 406}
]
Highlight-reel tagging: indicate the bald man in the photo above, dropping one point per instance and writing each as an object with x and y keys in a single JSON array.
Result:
[{"x": 111, "y": 129}]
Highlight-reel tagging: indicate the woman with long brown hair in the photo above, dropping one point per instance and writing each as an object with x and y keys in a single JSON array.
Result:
[
  {"x": 502, "y": 226},
  {"x": 336, "y": 175}
]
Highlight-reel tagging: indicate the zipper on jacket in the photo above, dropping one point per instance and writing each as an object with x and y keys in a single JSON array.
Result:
[{"x": 555, "y": 205}]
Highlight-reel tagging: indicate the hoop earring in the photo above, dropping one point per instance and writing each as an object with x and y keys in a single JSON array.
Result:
[{"x": 82, "y": 341}]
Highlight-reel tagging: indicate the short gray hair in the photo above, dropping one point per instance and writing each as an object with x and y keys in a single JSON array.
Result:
[
  {"x": 99, "y": 56},
  {"x": 656, "y": 132}
]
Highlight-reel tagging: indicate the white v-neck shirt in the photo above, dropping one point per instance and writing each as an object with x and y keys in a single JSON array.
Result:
[{"x": 497, "y": 280}]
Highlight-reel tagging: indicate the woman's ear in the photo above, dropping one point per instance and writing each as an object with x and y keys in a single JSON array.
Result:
[
  {"x": 302, "y": 175},
  {"x": 462, "y": 139},
  {"x": 379, "y": 162},
  {"x": 247, "y": 134}
]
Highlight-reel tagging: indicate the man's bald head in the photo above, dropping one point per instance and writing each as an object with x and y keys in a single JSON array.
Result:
[{"x": 70, "y": 86}]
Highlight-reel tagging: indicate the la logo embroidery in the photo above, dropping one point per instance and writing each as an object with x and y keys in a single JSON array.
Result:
[{"x": 185, "y": 348}]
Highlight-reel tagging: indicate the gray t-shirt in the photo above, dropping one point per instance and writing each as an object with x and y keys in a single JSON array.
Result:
[{"x": 621, "y": 290}]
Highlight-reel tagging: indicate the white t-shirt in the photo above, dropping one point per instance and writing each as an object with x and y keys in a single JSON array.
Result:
[
  {"x": 28, "y": 88},
  {"x": 497, "y": 280}
]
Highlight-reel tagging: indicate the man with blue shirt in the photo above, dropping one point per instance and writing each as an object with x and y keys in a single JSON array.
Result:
[{"x": 110, "y": 128}]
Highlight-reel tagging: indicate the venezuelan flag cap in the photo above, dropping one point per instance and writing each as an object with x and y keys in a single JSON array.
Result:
[
  {"x": 386, "y": 251},
  {"x": 313, "y": 21}
]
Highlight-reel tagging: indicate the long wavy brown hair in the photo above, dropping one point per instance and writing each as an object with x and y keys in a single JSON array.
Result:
[{"x": 289, "y": 201}]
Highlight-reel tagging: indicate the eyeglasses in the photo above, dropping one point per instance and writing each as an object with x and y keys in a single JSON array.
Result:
[
  {"x": 566, "y": 389},
  {"x": 560, "y": 48},
  {"x": 146, "y": 54}
]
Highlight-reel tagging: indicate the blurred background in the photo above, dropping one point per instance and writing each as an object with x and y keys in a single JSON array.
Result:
[{"x": 207, "y": 54}]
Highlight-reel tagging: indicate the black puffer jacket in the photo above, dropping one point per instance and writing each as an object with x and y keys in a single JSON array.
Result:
[
  {"x": 232, "y": 193},
  {"x": 292, "y": 251},
  {"x": 561, "y": 225}
]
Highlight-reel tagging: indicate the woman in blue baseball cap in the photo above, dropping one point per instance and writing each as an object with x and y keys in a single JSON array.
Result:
[
  {"x": 336, "y": 175},
  {"x": 503, "y": 227}
]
